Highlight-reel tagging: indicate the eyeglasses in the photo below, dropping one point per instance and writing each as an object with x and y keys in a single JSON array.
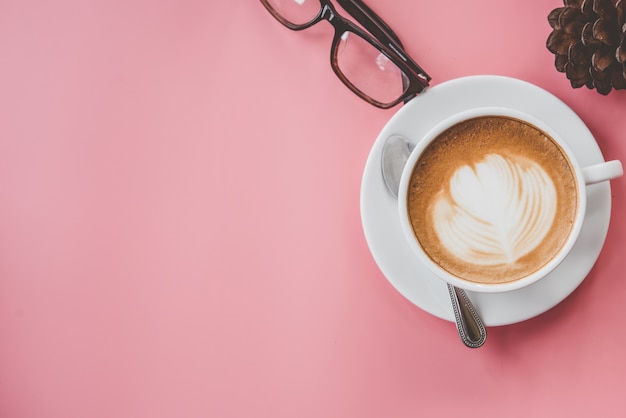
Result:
[{"x": 371, "y": 62}]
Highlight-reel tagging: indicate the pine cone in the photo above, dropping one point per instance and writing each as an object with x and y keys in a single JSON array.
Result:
[{"x": 588, "y": 39}]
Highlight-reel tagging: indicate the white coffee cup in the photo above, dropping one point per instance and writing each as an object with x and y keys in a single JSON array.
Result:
[{"x": 584, "y": 176}]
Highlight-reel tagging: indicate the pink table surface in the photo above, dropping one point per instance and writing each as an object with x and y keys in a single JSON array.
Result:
[{"x": 180, "y": 232}]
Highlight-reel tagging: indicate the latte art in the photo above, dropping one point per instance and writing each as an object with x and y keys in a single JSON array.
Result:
[
  {"x": 492, "y": 199},
  {"x": 495, "y": 212}
]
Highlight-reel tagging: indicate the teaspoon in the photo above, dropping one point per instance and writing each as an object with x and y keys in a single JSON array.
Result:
[{"x": 396, "y": 151}]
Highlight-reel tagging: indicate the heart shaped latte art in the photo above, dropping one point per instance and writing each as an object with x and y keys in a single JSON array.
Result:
[{"x": 496, "y": 211}]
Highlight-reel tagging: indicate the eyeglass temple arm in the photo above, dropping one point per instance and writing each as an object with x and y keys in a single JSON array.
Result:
[
  {"x": 377, "y": 27},
  {"x": 364, "y": 15}
]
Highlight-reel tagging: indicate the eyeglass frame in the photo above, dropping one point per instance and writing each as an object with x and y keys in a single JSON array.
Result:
[{"x": 377, "y": 33}]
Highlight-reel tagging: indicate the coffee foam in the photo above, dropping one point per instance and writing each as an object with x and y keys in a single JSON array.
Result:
[
  {"x": 495, "y": 212},
  {"x": 492, "y": 199}
]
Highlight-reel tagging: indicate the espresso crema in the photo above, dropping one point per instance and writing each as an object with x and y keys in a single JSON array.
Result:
[{"x": 492, "y": 199}]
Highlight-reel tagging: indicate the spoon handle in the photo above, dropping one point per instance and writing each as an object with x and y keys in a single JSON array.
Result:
[{"x": 471, "y": 328}]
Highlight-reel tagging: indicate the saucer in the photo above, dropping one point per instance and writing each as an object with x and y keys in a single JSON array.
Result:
[{"x": 380, "y": 217}]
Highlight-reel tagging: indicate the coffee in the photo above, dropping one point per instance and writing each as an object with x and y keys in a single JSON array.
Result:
[{"x": 492, "y": 199}]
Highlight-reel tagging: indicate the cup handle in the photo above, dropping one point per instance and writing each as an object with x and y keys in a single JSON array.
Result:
[{"x": 598, "y": 173}]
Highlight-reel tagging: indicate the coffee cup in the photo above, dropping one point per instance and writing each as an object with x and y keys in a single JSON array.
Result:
[{"x": 493, "y": 199}]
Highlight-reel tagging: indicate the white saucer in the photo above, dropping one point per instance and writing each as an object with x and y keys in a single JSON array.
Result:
[{"x": 379, "y": 210}]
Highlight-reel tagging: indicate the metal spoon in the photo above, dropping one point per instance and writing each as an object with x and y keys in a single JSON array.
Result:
[{"x": 396, "y": 151}]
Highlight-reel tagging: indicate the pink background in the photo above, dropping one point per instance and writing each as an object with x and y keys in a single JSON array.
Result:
[{"x": 180, "y": 233}]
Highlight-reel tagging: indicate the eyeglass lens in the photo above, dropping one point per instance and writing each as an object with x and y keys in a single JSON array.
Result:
[
  {"x": 369, "y": 70},
  {"x": 297, "y": 12},
  {"x": 363, "y": 66}
]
